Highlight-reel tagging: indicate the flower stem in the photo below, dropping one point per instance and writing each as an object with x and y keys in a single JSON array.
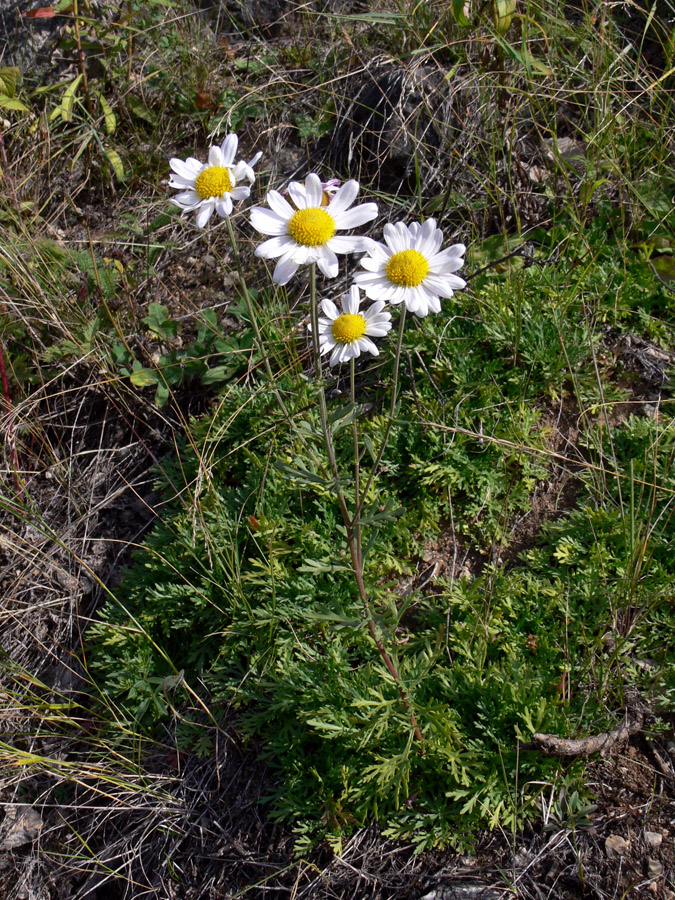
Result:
[
  {"x": 259, "y": 339},
  {"x": 392, "y": 408},
  {"x": 323, "y": 411},
  {"x": 357, "y": 463},
  {"x": 352, "y": 524}
]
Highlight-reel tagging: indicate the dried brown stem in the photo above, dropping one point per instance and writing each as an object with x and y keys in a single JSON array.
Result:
[{"x": 553, "y": 745}]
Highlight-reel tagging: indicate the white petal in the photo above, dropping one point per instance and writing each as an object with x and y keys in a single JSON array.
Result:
[
  {"x": 224, "y": 205},
  {"x": 330, "y": 309},
  {"x": 344, "y": 197},
  {"x": 367, "y": 344},
  {"x": 375, "y": 309},
  {"x": 313, "y": 190},
  {"x": 416, "y": 304},
  {"x": 255, "y": 160},
  {"x": 434, "y": 305},
  {"x": 328, "y": 262},
  {"x": 228, "y": 149},
  {"x": 298, "y": 194},
  {"x": 205, "y": 213},
  {"x": 447, "y": 257},
  {"x": 188, "y": 199},
  {"x": 346, "y": 352},
  {"x": 240, "y": 171},
  {"x": 178, "y": 181},
  {"x": 276, "y": 246},
  {"x": 351, "y": 301},
  {"x": 335, "y": 356},
  {"x": 280, "y": 205},
  {"x": 352, "y": 218},
  {"x": 397, "y": 239},
  {"x": 372, "y": 265},
  {"x": 439, "y": 285},
  {"x": 267, "y": 222},
  {"x": 455, "y": 282},
  {"x": 285, "y": 270},
  {"x": 429, "y": 239},
  {"x": 346, "y": 243},
  {"x": 183, "y": 169},
  {"x": 216, "y": 157},
  {"x": 378, "y": 330},
  {"x": 241, "y": 192},
  {"x": 362, "y": 278}
]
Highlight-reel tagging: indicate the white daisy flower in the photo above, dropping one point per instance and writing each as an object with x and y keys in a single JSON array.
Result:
[
  {"x": 410, "y": 269},
  {"x": 212, "y": 186},
  {"x": 305, "y": 232},
  {"x": 348, "y": 333}
]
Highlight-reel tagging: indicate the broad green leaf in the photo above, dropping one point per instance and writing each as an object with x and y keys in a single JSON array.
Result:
[
  {"x": 109, "y": 117},
  {"x": 68, "y": 99},
  {"x": 115, "y": 161},
  {"x": 9, "y": 78},
  {"x": 504, "y": 11},
  {"x": 459, "y": 13},
  {"x": 144, "y": 377},
  {"x": 140, "y": 110},
  {"x": 7, "y": 102},
  {"x": 217, "y": 374},
  {"x": 664, "y": 269}
]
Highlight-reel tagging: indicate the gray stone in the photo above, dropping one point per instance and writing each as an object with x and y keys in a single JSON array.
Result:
[
  {"x": 655, "y": 868},
  {"x": 616, "y": 846},
  {"x": 653, "y": 839}
]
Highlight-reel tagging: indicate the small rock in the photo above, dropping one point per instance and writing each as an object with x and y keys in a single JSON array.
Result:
[
  {"x": 22, "y": 825},
  {"x": 654, "y": 868},
  {"x": 522, "y": 858},
  {"x": 616, "y": 846},
  {"x": 653, "y": 839}
]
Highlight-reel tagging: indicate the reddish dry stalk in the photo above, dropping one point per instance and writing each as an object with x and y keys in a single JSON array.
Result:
[{"x": 10, "y": 424}]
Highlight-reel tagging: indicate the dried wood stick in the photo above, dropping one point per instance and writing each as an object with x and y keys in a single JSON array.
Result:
[{"x": 553, "y": 745}]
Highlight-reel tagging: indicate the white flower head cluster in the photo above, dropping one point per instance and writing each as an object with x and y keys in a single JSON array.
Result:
[
  {"x": 346, "y": 333},
  {"x": 213, "y": 186},
  {"x": 302, "y": 225}
]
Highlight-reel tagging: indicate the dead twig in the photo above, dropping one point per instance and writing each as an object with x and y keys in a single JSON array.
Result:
[{"x": 553, "y": 745}]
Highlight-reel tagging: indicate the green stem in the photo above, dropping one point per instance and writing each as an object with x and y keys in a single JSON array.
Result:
[
  {"x": 352, "y": 525},
  {"x": 392, "y": 408},
  {"x": 259, "y": 339},
  {"x": 357, "y": 463},
  {"x": 323, "y": 411}
]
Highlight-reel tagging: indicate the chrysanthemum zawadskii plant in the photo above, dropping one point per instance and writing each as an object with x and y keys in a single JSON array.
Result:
[{"x": 409, "y": 270}]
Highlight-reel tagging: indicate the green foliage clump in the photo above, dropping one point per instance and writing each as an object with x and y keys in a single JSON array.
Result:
[{"x": 243, "y": 593}]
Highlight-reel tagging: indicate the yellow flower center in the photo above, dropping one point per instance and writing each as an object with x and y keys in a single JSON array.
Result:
[
  {"x": 348, "y": 328},
  {"x": 311, "y": 227},
  {"x": 407, "y": 268},
  {"x": 213, "y": 182}
]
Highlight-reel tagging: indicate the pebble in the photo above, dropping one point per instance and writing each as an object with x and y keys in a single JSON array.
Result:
[
  {"x": 653, "y": 839},
  {"x": 615, "y": 846},
  {"x": 654, "y": 868}
]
